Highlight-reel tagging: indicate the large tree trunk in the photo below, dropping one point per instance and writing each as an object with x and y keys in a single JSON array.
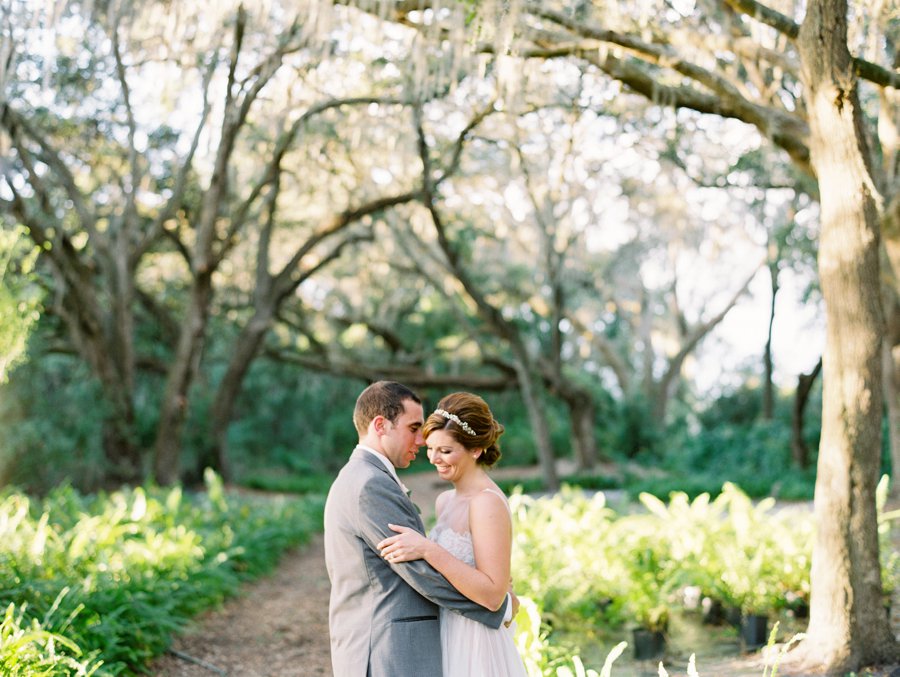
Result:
[
  {"x": 123, "y": 457},
  {"x": 108, "y": 351},
  {"x": 848, "y": 627},
  {"x": 245, "y": 351},
  {"x": 799, "y": 448},
  {"x": 768, "y": 408},
  {"x": 538, "y": 418},
  {"x": 120, "y": 448},
  {"x": 584, "y": 438},
  {"x": 582, "y": 409},
  {"x": 119, "y": 444},
  {"x": 185, "y": 362}
]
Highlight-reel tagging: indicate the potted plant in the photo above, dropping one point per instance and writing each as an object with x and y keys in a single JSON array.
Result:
[
  {"x": 754, "y": 630},
  {"x": 650, "y": 635},
  {"x": 647, "y": 606}
]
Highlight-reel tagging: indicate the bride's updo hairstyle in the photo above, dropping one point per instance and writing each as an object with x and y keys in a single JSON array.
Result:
[{"x": 469, "y": 420}]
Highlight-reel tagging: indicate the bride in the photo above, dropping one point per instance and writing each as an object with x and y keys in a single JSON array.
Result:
[{"x": 472, "y": 540}]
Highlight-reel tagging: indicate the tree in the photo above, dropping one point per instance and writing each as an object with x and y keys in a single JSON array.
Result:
[
  {"x": 273, "y": 289},
  {"x": 523, "y": 361},
  {"x": 120, "y": 228},
  {"x": 847, "y": 625},
  {"x": 799, "y": 448},
  {"x": 75, "y": 187},
  {"x": 652, "y": 309},
  {"x": 144, "y": 196},
  {"x": 211, "y": 242},
  {"x": 804, "y": 92},
  {"x": 19, "y": 298}
]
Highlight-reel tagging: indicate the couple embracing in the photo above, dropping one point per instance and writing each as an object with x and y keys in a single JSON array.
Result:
[{"x": 403, "y": 605}]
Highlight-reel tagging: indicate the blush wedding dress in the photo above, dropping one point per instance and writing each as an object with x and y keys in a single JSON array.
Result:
[{"x": 469, "y": 648}]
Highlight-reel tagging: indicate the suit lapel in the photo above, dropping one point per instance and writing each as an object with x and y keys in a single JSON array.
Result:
[
  {"x": 361, "y": 454},
  {"x": 368, "y": 457}
]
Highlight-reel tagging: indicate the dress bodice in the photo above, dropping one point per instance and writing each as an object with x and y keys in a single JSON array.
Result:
[
  {"x": 458, "y": 545},
  {"x": 469, "y": 647},
  {"x": 451, "y": 531}
]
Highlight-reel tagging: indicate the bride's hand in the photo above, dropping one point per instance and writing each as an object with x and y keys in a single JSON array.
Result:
[{"x": 406, "y": 546}]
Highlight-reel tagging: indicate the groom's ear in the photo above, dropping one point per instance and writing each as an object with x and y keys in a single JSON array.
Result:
[{"x": 379, "y": 424}]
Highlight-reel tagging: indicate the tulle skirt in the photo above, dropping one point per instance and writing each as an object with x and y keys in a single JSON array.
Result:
[{"x": 471, "y": 649}]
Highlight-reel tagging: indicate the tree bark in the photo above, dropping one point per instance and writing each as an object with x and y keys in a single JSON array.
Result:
[
  {"x": 538, "y": 419},
  {"x": 799, "y": 448},
  {"x": 768, "y": 408},
  {"x": 246, "y": 349},
  {"x": 185, "y": 362},
  {"x": 892, "y": 398},
  {"x": 848, "y": 627},
  {"x": 584, "y": 438}
]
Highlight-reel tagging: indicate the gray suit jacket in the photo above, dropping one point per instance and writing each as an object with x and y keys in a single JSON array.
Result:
[{"x": 383, "y": 617}]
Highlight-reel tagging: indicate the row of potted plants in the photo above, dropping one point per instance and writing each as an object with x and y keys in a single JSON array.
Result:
[{"x": 582, "y": 559}]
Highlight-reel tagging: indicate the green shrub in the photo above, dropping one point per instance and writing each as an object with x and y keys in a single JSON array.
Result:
[
  {"x": 584, "y": 561},
  {"x": 28, "y": 650},
  {"x": 311, "y": 483},
  {"x": 532, "y": 485},
  {"x": 117, "y": 575}
]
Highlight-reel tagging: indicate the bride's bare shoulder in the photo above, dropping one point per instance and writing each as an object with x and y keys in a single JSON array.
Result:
[{"x": 490, "y": 498}]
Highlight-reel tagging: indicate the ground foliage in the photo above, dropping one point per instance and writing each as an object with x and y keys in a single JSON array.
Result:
[
  {"x": 583, "y": 561},
  {"x": 110, "y": 578}
]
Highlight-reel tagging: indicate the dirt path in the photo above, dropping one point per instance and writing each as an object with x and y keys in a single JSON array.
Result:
[{"x": 277, "y": 627}]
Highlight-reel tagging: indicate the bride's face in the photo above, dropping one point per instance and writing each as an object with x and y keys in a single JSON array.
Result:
[{"x": 451, "y": 459}]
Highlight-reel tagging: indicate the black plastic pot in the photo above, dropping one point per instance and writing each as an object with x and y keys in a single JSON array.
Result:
[
  {"x": 648, "y": 644},
  {"x": 754, "y": 631},
  {"x": 713, "y": 612},
  {"x": 734, "y": 616}
]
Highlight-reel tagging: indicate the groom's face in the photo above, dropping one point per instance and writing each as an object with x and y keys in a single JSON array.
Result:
[{"x": 402, "y": 438}]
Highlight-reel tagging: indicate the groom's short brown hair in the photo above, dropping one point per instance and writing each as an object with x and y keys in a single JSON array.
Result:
[{"x": 382, "y": 398}]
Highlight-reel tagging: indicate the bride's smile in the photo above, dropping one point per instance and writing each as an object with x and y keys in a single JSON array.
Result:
[{"x": 451, "y": 459}]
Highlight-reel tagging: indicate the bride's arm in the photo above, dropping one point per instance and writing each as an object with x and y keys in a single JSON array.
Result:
[{"x": 487, "y": 583}]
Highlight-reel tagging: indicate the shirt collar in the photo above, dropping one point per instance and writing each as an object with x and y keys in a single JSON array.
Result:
[{"x": 387, "y": 464}]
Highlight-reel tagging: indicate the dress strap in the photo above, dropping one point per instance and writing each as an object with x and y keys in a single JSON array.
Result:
[{"x": 500, "y": 494}]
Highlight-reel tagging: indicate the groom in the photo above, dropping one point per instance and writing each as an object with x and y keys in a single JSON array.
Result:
[{"x": 383, "y": 617}]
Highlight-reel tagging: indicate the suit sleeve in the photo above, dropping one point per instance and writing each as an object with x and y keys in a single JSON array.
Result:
[{"x": 381, "y": 503}]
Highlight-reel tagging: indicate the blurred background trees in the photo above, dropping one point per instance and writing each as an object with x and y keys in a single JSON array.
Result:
[
  {"x": 297, "y": 200},
  {"x": 605, "y": 219}
]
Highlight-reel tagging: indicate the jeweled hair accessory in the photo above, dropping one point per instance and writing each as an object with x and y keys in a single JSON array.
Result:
[{"x": 457, "y": 420}]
